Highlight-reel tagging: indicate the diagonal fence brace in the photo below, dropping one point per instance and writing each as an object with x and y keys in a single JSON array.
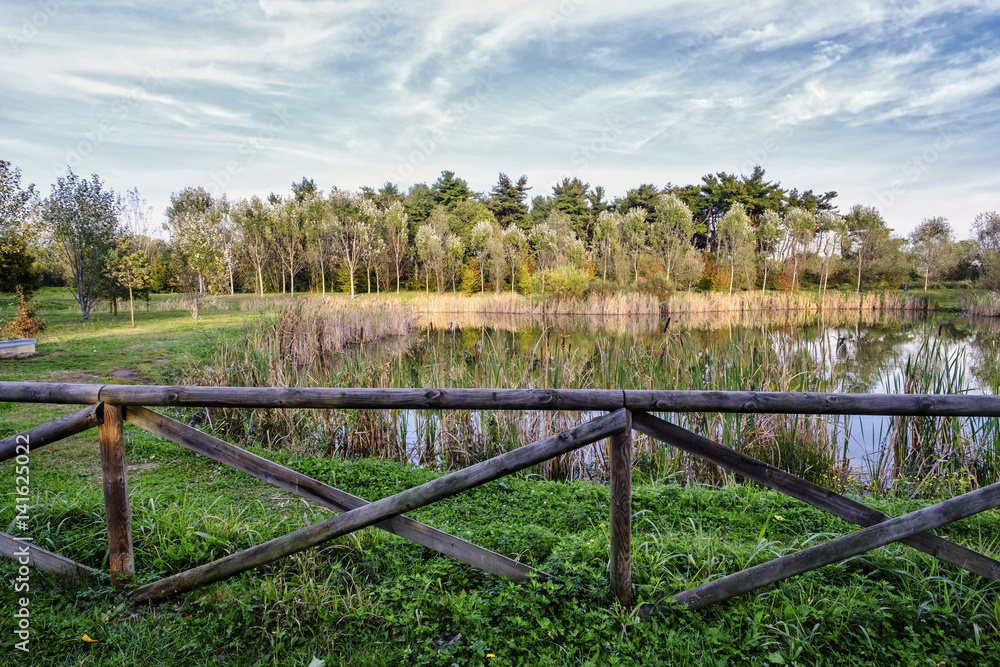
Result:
[
  {"x": 840, "y": 549},
  {"x": 813, "y": 494},
  {"x": 26, "y": 553},
  {"x": 49, "y": 432},
  {"x": 404, "y": 501},
  {"x": 323, "y": 494}
]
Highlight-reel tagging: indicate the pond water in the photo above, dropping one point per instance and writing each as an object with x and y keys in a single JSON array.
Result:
[
  {"x": 845, "y": 352},
  {"x": 855, "y": 351}
]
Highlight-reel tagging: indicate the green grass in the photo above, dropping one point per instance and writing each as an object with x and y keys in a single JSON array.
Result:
[{"x": 374, "y": 599}]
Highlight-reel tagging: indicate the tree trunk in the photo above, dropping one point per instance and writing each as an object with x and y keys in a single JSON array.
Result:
[{"x": 131, "y": 308}]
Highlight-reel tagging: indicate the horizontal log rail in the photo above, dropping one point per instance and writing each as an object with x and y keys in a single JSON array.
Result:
[
  {"x": 111, "y": 405},
  {"x": 603, "y": 400}
]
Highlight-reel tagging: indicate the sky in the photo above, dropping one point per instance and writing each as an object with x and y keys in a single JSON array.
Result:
[{"x": 891, "y": 104}]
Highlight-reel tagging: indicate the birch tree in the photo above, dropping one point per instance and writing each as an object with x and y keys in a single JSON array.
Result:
[{"x": 83, "y": 215}]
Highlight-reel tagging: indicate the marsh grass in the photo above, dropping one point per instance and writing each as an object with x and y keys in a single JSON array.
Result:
[
  {"x": 286, "y": 352},
  {"x": 986, "y": 304}
]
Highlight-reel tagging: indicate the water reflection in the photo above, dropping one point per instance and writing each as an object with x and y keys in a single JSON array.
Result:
[{"x": 847, "y": 352}]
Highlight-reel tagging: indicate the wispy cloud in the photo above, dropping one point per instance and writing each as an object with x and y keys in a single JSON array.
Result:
[{"x": 843, "y": 90}]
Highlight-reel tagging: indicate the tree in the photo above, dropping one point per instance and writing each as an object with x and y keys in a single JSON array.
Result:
[
  {"x": 737, "y": 244},
  {"x": 454, "y": 255},
  {"x": 646, "y": 196},
  {"x": 83, "y": 215},
  {"x": 508, "y": 201},
  {"x": 463, "y": 217},
  {"x": 17, "y": 215},
  {"x": 800, "y": 226},
  {"x": 418, "y": 204},
  {"x": 768, "y": 236},
  {"x": 933, "y": 243},
  {"x": 194, "y": 237},
  {"x": 987, "y": 229},
  {"x": 254, "y": 222},
  {"x": 634, "y": 237},
  {"x": 570, "y": 197},
  {"x": 607, "y": 234},
  {"x": 479, "y": 243},
  {"x": 449, "y": 191},
  {"x": 351, "y": 229},
  {"x": 396, "y": 236},
  {"x": 867, "y": 236},
  {"x": 543, "y": 244},
  {"x": 514, "y": 245},
  {"x": 431, "y": 253},
  {"x": 672, "y": 235},
  {"x": 130, "y": 269},
  {"x": 830, "y": 241}
]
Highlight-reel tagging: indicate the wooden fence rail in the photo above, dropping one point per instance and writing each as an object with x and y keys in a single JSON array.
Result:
[{"x": 111, "y": 405}]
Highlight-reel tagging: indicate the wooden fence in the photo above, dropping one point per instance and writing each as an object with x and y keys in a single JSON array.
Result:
[{"x": 111, "y": 405}]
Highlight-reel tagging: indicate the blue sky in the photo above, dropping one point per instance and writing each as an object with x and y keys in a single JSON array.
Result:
[{"x": 892, "y": 104}]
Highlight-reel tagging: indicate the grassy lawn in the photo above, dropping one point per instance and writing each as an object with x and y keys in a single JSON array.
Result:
[{"x": 374, "y": 599}]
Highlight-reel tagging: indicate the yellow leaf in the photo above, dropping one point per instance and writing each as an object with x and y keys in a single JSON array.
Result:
[{"x": 89, "y": 640}]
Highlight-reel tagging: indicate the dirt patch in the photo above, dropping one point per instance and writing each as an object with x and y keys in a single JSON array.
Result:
[
  {"x": 129, "y": 374},
  {"x": 72, "y": 377}
]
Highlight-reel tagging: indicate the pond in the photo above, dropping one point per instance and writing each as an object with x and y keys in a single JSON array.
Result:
[{"x": 791, "y": 351}]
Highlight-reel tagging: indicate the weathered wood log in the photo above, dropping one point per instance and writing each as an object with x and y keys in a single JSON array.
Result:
[
  {"x": 402, "y": 502},
  {"x": 620, "y": 569},
  {"x": 509, "y": 399},
  {"x": 842, "y": 548},
  {"x": 807, "y": 403},
  {"x": 323, "y": 494},
  {"x": 49, "y": 392},
  {"x": 364, "y": 398},
  {"x": 817, "y": 496},
  {"x": 53, "y": 431},
  {"x": 117, "y": 510},
  {"x": 26, "y": 553}
]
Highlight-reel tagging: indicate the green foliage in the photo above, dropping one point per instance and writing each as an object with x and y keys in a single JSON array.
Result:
[
  {"x": 566, "y": 281},
  {"x": 83, "y": 215},
  {"x": 471, "y": 281}
]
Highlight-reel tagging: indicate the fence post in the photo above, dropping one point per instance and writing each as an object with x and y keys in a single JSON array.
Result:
[
  {"x": 117, "y": 510},
  {"x": 620, "y": 575}
]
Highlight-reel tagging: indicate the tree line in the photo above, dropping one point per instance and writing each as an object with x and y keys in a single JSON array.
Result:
[{"x": 727, "y": 232}]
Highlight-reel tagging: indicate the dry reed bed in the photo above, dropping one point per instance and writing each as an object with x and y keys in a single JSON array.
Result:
[
  {"x": 310, "y": 331},
  {"x": 757, "y": 302},
  {"x": 632, "y": 303},
  {"x": 981, "y": 305}
]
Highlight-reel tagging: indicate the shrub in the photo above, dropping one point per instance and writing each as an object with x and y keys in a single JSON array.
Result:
[{"x": 26, "y": 324}]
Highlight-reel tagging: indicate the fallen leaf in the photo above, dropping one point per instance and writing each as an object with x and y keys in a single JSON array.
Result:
[{"x": 89, "y": 640}]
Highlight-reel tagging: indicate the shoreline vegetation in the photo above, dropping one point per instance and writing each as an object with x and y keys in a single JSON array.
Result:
[
  {"x": 970, "y": 302},
  {"x": 329, "y": 342}
]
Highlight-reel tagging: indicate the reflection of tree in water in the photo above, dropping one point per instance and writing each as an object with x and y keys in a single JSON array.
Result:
[{"x": 851, "y": 352}]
